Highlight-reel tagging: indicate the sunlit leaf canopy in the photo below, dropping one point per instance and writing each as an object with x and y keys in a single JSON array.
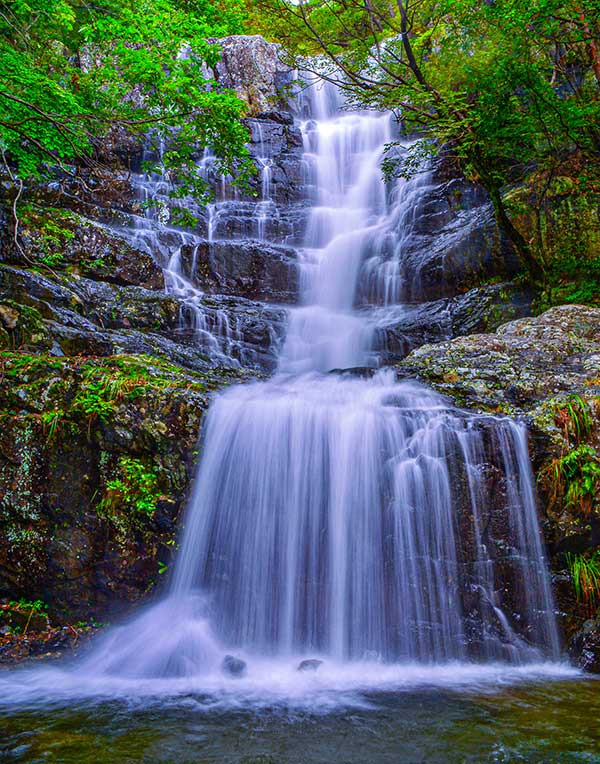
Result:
[
  {"x": 71, "y": 70},
  {"x": 520, "y": 72}
]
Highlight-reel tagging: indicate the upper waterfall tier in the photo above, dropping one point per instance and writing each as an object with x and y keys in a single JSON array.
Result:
[
  {"x": 375, "y": 267},
  {"x": 342, "y": 154}
]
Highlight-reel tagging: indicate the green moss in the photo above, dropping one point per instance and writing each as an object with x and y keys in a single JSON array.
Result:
[
  {"x": 135, "y": 487},
  {"x": 22, "y": 327},
  {"x": 51, "y": 233}
]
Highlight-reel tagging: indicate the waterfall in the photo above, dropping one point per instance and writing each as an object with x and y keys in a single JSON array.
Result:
[
  {"x": 347, "y": 515},
  {"x": 341, "y": 516}
]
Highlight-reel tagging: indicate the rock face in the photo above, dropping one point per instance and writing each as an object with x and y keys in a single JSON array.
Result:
[
  {"x": 248, "y": 268},
  {"x": 96, "y": 455},
  {"x": 253, "y": 68},
  {"x": 547, "y": 370}
]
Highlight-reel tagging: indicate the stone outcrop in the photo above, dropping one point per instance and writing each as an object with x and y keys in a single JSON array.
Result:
[
  {"x": 248, "y": 268},
  {"x": 96, "y": 456},
  {"x": 522, "y": 367},
  {"x": 60, "y": 240},
  {"x": 253, "y": 68},
  {"x": 481, "y": 309}
]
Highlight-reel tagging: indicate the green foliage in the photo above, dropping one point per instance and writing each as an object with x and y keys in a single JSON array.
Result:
[
  {"x": 573, "y": 479},
  {"x": 50, "y": 422},
  {"x": 574, "y": 417},
  {"x": 105, "y": 385},
  {"x": 562, "y": 219},
  {"x": 585, "y": 573},
  {"x": 511, "y": 86},
  {"x": 72, "y": 72},
  {"x": 136, "y": 488},
  {"x": 37, "y": 606},
  {"x": 578, "y": 474}
]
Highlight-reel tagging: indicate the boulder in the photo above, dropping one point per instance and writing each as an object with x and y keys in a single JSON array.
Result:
[
  {"x": 584, "y": 648},
  {"x": 310, "y": 664},
  {"x": 233, "y": 666},
  {"x": 253, "y": 68},
  {"x": 521, "y": 367}
]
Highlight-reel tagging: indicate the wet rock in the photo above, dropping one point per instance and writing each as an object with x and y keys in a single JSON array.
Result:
[
  {"x": 584, "y": 648},
  {"x": 545, "y": 369},
  {"x": 249, "y": 268},
  {"x": 406, "y": 327},
  {"x": 403, "y": 328},
  {"x": 87, "y": 317},
  {"x": 253, "y": 68},
  {"x": 233, "y": 666},
  {"x": 239, "y": 219},
  {"x": 310, "y": 664},
  {"x": 277, "y": 140},
  {"x": 465, "y": 251},
  {"x": 442, "y": 244}
]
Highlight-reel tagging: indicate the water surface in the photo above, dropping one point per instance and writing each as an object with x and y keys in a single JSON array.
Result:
[{"x": 556, "y": 721}]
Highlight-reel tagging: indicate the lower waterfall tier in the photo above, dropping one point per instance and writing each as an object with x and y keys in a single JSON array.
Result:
[{"x": 365, "y": 519}]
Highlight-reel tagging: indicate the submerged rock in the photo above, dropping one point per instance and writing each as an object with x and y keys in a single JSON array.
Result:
[
  {"x": 233, "y": 666},
  {"x": 310, "y": 664}
]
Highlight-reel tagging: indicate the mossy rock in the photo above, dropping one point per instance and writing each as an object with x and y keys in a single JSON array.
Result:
[
  {"x": 22, "y": 328},
  {"x": 96, "y": 457},
  {"x": 57, "y": 240}
]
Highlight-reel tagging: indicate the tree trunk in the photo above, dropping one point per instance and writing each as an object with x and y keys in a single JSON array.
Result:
[{"x": 516, "y": 237}]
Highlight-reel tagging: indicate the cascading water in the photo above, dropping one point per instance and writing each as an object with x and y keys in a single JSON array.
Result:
[
  {"x": 360, "y": 520},
  {"x": 329, "y": 511}
]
